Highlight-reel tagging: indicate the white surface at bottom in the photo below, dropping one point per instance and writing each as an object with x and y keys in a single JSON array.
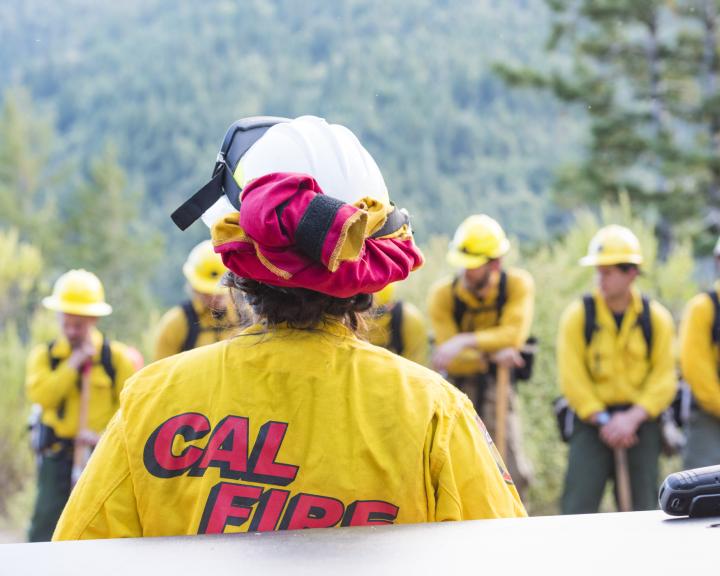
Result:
[{"x": 635, "y": 543}]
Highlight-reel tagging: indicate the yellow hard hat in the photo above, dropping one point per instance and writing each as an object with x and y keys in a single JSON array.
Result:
[
  {"x": 384, "y": 297},
  {"x": 477, "y": 240},
  {"x": 78, "y": 292},
  {"x": 613, "y": 245},
  {"x": 204, "y": 269}
]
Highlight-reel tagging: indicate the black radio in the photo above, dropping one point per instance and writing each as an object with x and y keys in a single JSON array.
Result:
[{"x": 692, "y": 493}]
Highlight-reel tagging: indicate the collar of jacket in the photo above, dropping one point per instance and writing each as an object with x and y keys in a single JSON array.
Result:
[
  {"x": 332, "y": 327},
  {"x": 61, "y": 347},
  {"x": 473, "y": 300},
  {"x": 604, "y": 316}
]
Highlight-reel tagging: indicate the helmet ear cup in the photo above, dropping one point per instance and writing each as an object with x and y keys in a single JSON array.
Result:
[
  {"x": 239, "y": 137},
  {"x": 221, "y": 194}
]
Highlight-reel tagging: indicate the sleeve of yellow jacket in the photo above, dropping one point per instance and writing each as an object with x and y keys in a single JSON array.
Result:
[
  {"x": 171, "y": 333},
  {"x": 440, "y": 311},
  {"x": 575, "y": 381},
  {"x": 124, "y": 366},
  {"x": 516, "y": 319},
  {"x": 109, "y": 508},
  {"x": 698, "y": 354},
  {"x": 470, "y": 479},
  {"x": 45, "y": 386},
  {"x": 660, "y": 383},
  {"x": 415, "y": 336}
]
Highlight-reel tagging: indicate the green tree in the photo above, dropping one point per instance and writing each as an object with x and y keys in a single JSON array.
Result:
[
  {"x": 411, "y": 79},
  {"x": 644, "y": 72},
  {"x": 105, "y": 231},
  {"x": 20, "y": 271},
  {"x": 27, "y": 179}
]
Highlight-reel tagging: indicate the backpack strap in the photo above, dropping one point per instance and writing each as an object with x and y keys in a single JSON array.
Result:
[
  {"x": 645, "y": 323},
  {"x": 106, "y": 361},
  {"x": 501, "y": 295},
  {"x": 716, "y": 316},
  {"x": 193, "y": 326},
  {"x": 590, "y": 323},
  {"x": 397, "y": 343},
  {"x": 52, "y": 360},
  {"x": 459, "y": 307}
]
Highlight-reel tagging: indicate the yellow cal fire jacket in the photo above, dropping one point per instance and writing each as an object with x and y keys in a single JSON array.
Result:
[
  {"x": 414, "y": 335},
  {"x": 510, "y": 330},
  {"x": 615, "y": 368},
  {"x": 285, "y": 430},
  {"x": 699, "y": 357},
  {"x": 58, "y": 391},
  {"x": 173, "y": 328}
]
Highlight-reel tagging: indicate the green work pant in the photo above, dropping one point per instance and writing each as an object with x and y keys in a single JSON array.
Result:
[
  {"x": 591, "y": 463},
  {"x": 703, "y": 441},
  {"x": 54, "y": 476}
]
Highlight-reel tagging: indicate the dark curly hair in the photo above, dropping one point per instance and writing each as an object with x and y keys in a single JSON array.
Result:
[{"x": 296, "y": 307}]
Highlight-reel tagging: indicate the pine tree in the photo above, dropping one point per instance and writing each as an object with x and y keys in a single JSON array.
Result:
[
  {"x": 20, "y": 273},
  {"x": 105, "y": 232},
  {"x": 634, "y": 62},
  {"x": 27, "y": 179}
]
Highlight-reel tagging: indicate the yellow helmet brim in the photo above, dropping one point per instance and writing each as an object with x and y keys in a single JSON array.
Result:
[
  {"x": 468, "y": 261},
  {"x": 95, "y": 310},
  {"x": 610, "y": 260},
  {"x": 203, "y": 285},
  {"x": 461, "y": 259}
]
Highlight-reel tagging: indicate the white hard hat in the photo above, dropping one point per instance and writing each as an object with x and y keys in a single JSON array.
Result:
[{"x": 330, "y": 153}]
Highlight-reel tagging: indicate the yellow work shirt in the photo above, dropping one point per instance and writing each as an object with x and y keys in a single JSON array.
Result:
[
  {"x": 413, "y": 332},
  {"x": 493, "y": 333},
  {"x": 283, "y": 430},
  {"x": 699, "y": 356},
  {"x": 615, "y": 368},
  {"x": 174, "y": 328},
  {"x": 58, "y": 391}
]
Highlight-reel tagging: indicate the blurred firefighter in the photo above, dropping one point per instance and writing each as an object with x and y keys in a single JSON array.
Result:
[
  {"x": 481, "y": 320},
  {"x": 208, "y": 316},
  {"x": 700, "y": 362},
  {"x": 76, "y": 382},
  {"x": 398, "y": 326},
  {"x": 616, "y": 370}
]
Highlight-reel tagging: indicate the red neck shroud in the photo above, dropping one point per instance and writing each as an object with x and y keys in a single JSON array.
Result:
[{"x": 290, "y": 234}]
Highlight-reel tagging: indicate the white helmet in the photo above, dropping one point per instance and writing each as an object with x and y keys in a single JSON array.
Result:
[{"x": 330, "y": 153}]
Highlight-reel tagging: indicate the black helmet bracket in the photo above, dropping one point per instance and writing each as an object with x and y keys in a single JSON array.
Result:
[{"x": 239, "y": 137}]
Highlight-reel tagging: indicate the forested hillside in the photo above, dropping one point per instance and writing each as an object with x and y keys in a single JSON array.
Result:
[
  {"x": 554, "y": 116},
  {"x": 162, "y": 80}
]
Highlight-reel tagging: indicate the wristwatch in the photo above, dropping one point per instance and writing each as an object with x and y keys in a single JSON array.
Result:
[{"x": 602, "y": 418}]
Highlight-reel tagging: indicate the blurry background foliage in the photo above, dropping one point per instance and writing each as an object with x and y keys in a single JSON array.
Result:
[{"x": 553, "y": 116}]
